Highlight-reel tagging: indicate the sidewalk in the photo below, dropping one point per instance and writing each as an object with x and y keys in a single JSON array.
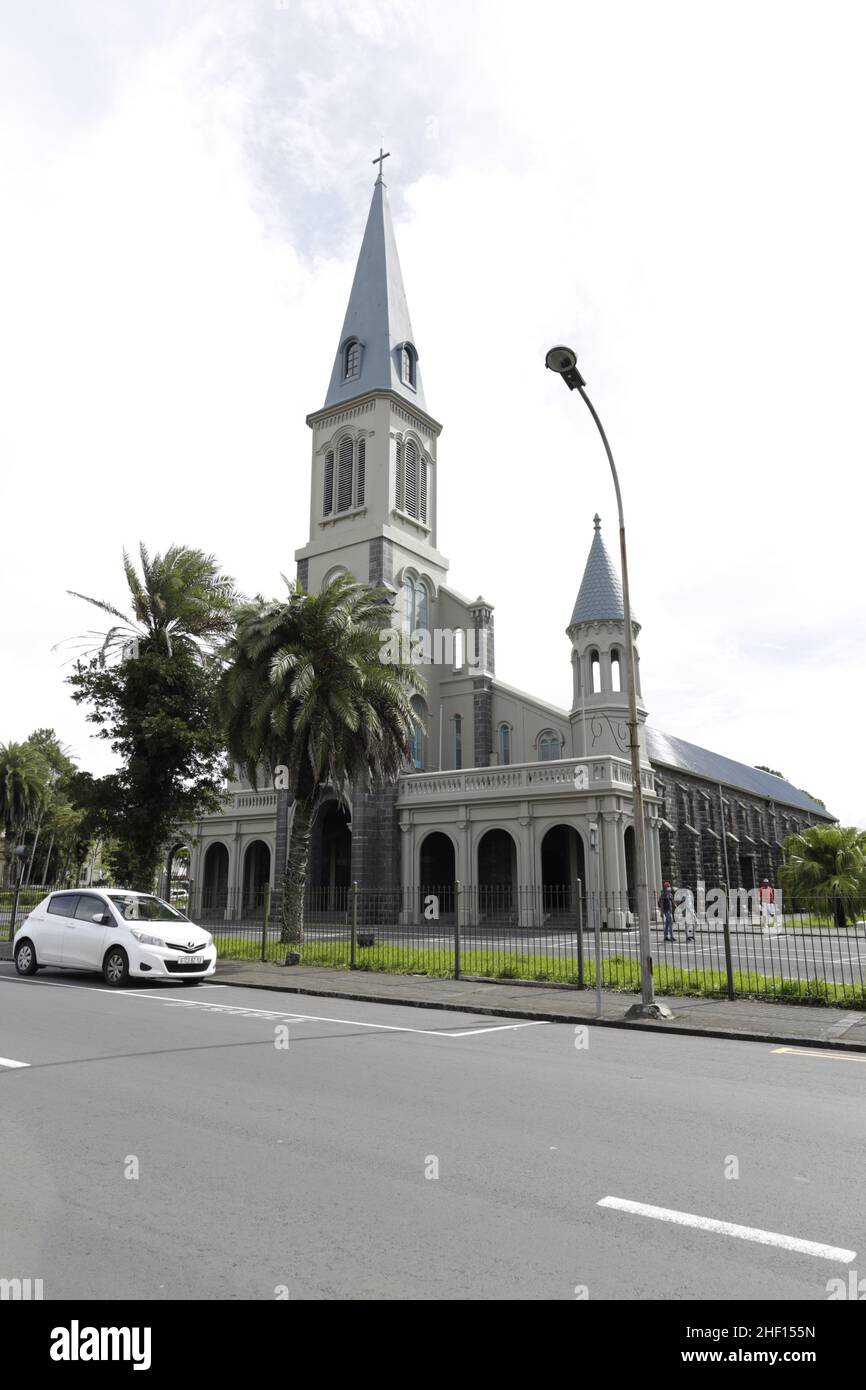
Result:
[{"x": 752, "y": 1020}]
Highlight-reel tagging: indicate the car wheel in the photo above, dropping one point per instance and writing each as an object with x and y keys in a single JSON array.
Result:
[
  {"x": 25, "y": 958},
  {"x": 115, "y": 968}
]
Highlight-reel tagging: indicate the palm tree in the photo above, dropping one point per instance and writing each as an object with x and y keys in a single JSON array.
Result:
[
  {"x": 305, "y": 696},
  {"x": 179, "y": 597},
  {"x": 827, "y": 865},
  {"x": 23, "y": 790}
]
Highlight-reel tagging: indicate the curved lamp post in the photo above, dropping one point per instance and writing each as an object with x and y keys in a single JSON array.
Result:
[{"x": 564, "y": 361}]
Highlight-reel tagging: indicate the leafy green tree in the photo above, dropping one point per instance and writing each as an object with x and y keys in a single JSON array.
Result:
[
  {"x": 826, "y": 866},
  {"x": 23, "y": 790},
  {"x": 306, "y": 698},
  {"x": 149, "y": 686}
]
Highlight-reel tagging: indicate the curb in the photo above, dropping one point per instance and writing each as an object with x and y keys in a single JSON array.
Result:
[{"x": 547, "y": 1016}]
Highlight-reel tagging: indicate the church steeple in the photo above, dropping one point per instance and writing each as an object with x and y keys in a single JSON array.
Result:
[{"x": 377, "y": 349}]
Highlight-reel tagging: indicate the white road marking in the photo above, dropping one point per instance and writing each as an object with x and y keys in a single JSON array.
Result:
[
  {"x": 729, "y": 1228},
  {"x": 825, "y": 1053},
  {"x": 8, "y": 1062},
  {"x": 163, "y": 996}
]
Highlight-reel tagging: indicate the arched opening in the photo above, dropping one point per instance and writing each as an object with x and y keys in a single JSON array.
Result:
[
  {"x": 595, "y": 673},
  {"x": 177, "y": 877},
  {"x": 562, "y": 864},
  {"x": 549, "y": 746},
  {"x": 630, "y": 867},
  {"x": 497, "y": 877},
  {"x": 257, "y": 875},
  {"x": 215, "y": 886},
  {"x": 504, "y": 745},
  {"x": 438, "y": 871},
  {"x": 330, "y": 868},
  {"x": 615, "y": 671}
]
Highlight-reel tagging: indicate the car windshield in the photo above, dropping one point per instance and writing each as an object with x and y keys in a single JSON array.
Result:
[{"x": 144, "y": 909}]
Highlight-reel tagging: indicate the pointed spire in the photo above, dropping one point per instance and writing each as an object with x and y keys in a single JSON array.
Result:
[
  {"x": 600, "y": 593},
  {"x": 377, "y": 317}
]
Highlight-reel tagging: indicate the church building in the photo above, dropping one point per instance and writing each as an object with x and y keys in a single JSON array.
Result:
[{"x": 504, "y": 791}]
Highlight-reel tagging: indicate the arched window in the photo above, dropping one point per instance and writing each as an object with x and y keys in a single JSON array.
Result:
[
  {"x": 328, "y": 500},
  {"x": 504, "y": 744},
  {"x": 615, "y": 671},
  {"x": 407, "y": 364},
  {"x": 351, "y": 359},
  {"x": 416, "y": 604},
  {"x": 411, "y": 477},
  {"x": 361, "y": 469},
  {"x": 344, "y": 481},
  {"x": 422, "y": 491},
  {"x": 594, "y": 672},
  {"x": 549, "y": 746},
  {"x": 457, "y": 734}
]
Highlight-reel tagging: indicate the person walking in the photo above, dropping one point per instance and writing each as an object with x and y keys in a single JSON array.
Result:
[
  {"x": 767, "y": 900},
  {"x": 666, "y": 907}
]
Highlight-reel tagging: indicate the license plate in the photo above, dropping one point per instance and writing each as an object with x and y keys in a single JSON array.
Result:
[{"x": 193, "y": 960}]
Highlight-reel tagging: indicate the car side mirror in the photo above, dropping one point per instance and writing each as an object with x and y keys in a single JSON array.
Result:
[{"x": 102, "y": 919}]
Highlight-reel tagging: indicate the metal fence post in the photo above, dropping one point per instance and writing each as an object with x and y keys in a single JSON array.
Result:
[
  {"x": 266, "y": 916},
  {"x": 457, "y": 930},
  {"x": 579, "y": 888},
  {"x": 729, "y": 965},
  {"x": 353, "y": 946}
]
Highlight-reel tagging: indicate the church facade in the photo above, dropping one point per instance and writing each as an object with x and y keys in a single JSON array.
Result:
[{"x": 503, "y": 791}]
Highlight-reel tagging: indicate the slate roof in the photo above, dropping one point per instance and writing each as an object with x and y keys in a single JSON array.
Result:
[
  {"x": 377, "y": 315},
  {"x": 600, "y": 593},
  {"x": 667, "y": 751}
]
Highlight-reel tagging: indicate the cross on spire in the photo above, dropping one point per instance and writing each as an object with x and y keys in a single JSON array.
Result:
[
  {"x": 596, "y": 521},
  {"x": 380, "y": 158}
]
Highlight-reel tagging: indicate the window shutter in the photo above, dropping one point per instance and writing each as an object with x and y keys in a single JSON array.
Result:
[
  {"x": 401, "y": 486},
  {"x": 412, "y": 478},
  {"x": 359, "y": 481},
  {"x": 344, "y": 485},
  {"x": 423, "y": 490},
  {"x": 328, "y": 504}
]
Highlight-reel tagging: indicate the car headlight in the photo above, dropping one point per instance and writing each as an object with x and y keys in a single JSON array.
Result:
[{"x": 146, "y": 940}]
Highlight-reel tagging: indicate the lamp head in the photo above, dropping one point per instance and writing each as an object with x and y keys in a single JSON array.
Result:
[{"x": 564, "y": 361}]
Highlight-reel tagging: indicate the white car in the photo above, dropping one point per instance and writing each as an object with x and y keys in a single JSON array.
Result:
[{"x": 116, "y": 930}]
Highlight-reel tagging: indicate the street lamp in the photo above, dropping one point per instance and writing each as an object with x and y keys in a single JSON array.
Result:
[{"x": 563, "y": 360}]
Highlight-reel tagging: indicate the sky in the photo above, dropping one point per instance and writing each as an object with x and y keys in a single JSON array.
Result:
[{"x": 674, "y": 189}]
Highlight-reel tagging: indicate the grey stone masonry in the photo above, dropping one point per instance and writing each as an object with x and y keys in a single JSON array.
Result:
[
  {"x": 381, "y": 569},
  {"x": 376, "y": 845},
  {"x": 482, "y": 732},
  {"x": 482, "y": 619},
  {"x": 304, "y": 573},
  {"x": 694, "y": 849}
]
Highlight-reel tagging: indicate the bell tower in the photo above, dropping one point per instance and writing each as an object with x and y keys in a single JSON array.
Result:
[
  {"x": 599, "y": 712},
  {"x": 374, "y": 454}
]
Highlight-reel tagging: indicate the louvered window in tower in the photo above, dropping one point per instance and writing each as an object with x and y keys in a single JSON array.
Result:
[
  {"x": 422, "y": 490},
  {"x": 328, "y": 502},
  {"x": 412, "y": 478},
  {"x": 344, "y": 483},
  {"x": 359, "y": 480},
  {"x": 400, "y": 489}
]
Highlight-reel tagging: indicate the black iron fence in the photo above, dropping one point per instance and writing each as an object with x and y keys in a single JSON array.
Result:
[
  {"x": 723, "y": 945},
  {"x": 732, "y": 946}
]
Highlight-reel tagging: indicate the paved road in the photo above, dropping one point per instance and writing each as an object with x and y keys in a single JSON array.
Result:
[{"x": 261, "y": 1167}]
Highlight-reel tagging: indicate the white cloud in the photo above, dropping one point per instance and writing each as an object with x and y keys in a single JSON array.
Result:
[{"x": 672, "y": 188}]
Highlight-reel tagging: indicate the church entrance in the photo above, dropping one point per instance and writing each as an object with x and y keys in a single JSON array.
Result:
[
  {"x": 215, "y": 889},
  {"x": 330, "y": 870},
  {"x": 630, "y": 861},
  {"x": 438, "y": 871},
  {"x": 257, "y": 875},
  {"x": 497, "y": 877},
  {"x": 562, "y": 863}
]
